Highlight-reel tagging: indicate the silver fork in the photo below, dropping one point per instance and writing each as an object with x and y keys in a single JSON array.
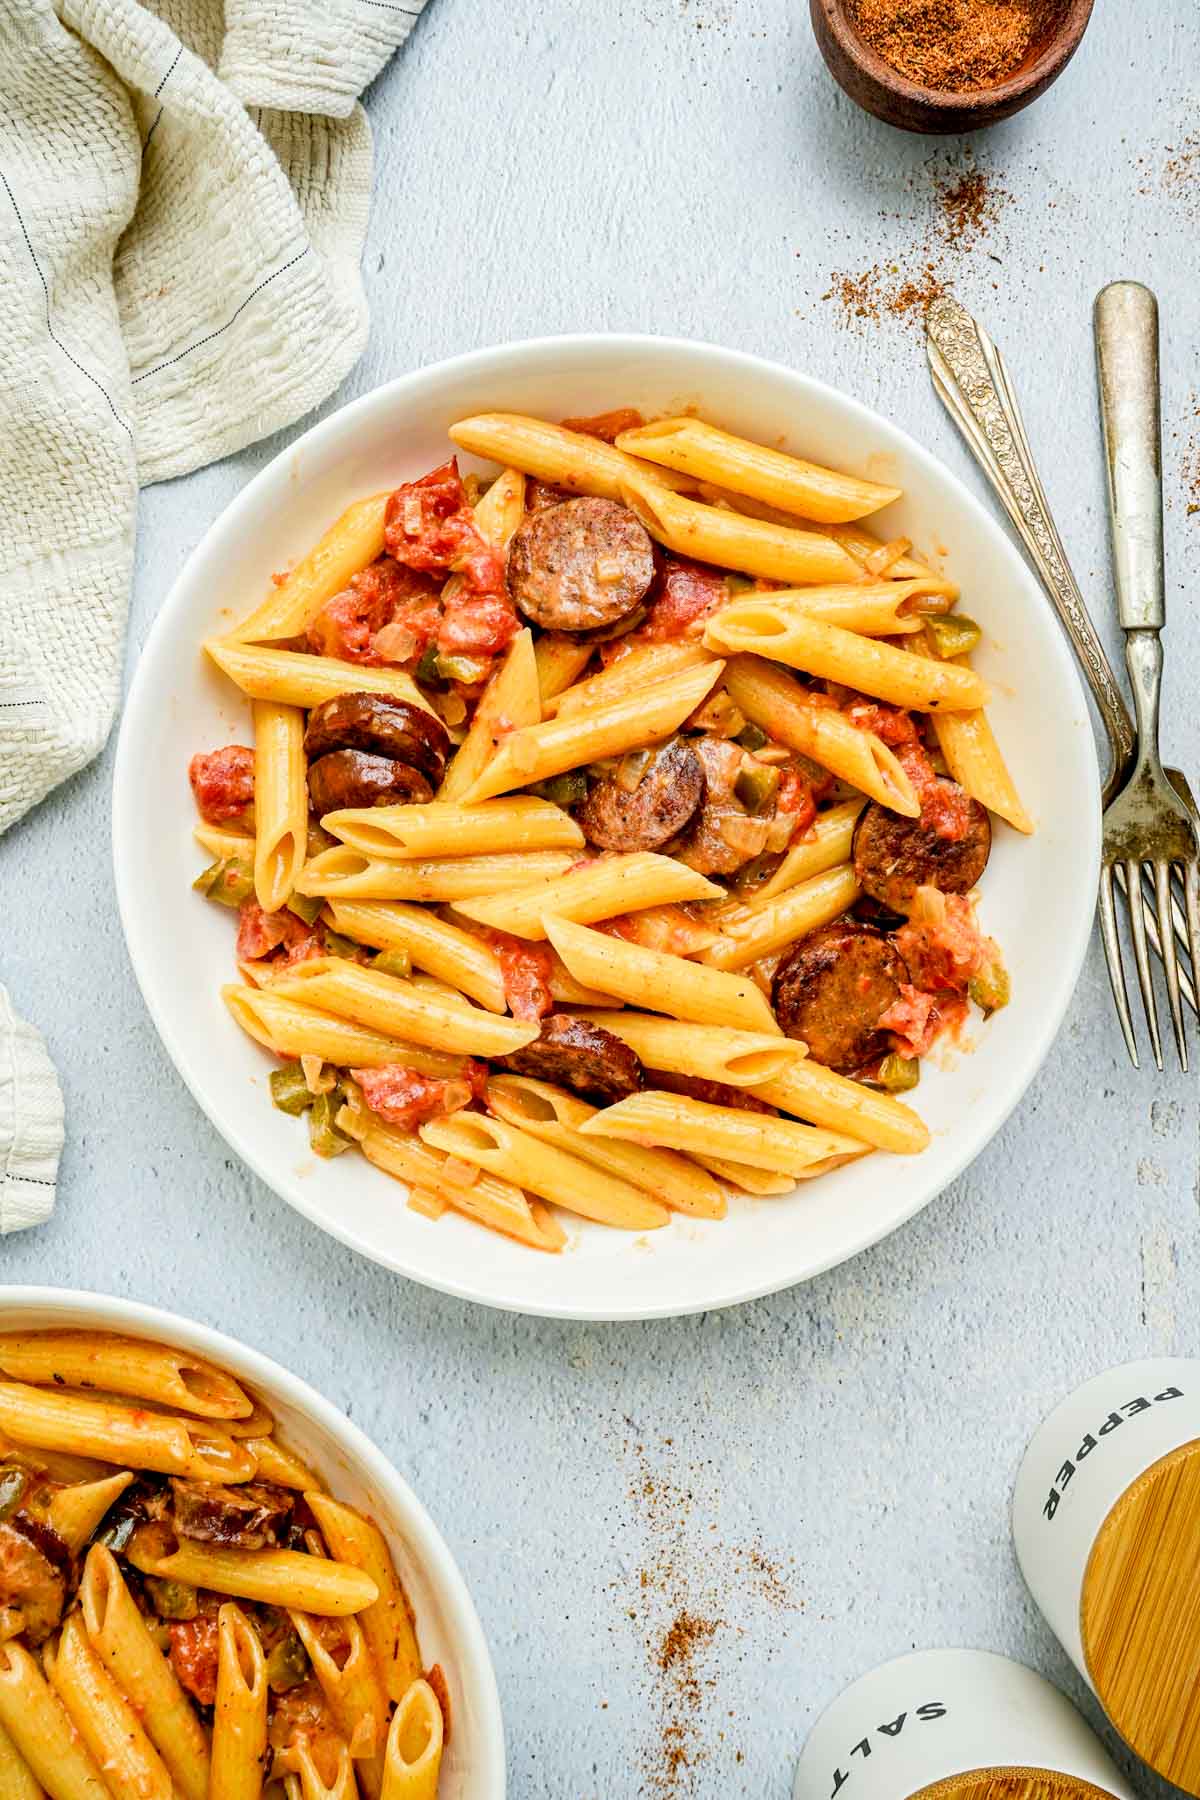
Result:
[
  {"x": 973, "y": 383},
  {"x": 1147, "y": 827}
]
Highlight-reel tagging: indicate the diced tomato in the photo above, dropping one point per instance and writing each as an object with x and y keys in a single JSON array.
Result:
[
  {"x": 259, "y": 932},
  {"x": 914, "y": 1020},
  {"x": 942, "y": 943},
  {"x": 795, "y": 795},
  {"x": 687, "y": 593},
  {"x": 607, "y": 426},
  {"x": 194, "y": 1649},
  {"x": 477, "y": 624},
  {"x": 223, "y": 783},
  {"x": 526, "y": 970},
  {"x": 429, "y": 525},
  {"x": 405, "y": 1098},
  {"x": 381, "y": 596},
  {"x": 945, "y": 807}
]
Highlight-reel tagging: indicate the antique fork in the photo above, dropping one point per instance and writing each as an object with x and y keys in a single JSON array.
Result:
[
  {"x": 970, "y": 378},
  {"x": 1147, "y": 827}
]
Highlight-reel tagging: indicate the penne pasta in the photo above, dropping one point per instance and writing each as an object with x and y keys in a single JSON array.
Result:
[
  {"x": 735, "y": 541},
  {"x": 772, "y": 924},
  {"x": 741, "y": 1175},
  {"x": 17, "y": 1779},
  {"x": 122, "y": 1641},
  {"x": 708, "y": 1052},
  {"x": 489, "y": 1201},
  {"x": 789, "y": 713},
  {"x": 387, "y": 1623},
  {"x": 239, "y": 1751},
  {"x": 854, "y": 538},
  {"x": 278, "y": 1464},
  {"x": 107, "y": 1724},
  {"x": 131, "y": 1366},
  {"x": 293, "y": 1030},
  {"x": 454, "y": 956},
  {"x": 756, "y": 625},
  {"x": 692, "y": 447},
  {"x": 517, "y": 823},
  {"x": 222, "y": 842},
  {"x": 872, "y": 608},
  {"x": 554, "y": 1116},
  {"x": 682, "y": 989},
  {"x": 414, "y": 1746},
  {"x": 560, "y": 660},
  {"x": 600, "y": 890},
  {"x": 834, "y": 1101},
  {"x": 679, "y": 1122},
  {"x": 568, "y": 459},
  {"x": 293, "y": 678},
  {"x": 393, "y": 1005},
  {"x": 138, "y": 1438},
  {"x": 512, "y": 698},
  {"x": 354, "y": 1692},
  {"x": 37, "y": 1722},
  {"x": 343, "y": 873},
  {"x": 536, "y": 752},
  {"x": 826, "y": 843},
  {"x": 637, "y": 669},
  {"x": 287, "y": 1578},
  {"x": 280, "y": 802},
  {"x": 545, "y": 1170},
  {"x": 353, "y": 541},
  {"x": 974, "y": 759},
  {"x": 76, "y": 1511},
  {"x": 500, "y": 510},
  {"x": 311, "y": 1783}
]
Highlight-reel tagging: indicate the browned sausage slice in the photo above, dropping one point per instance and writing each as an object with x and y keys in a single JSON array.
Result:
[
  {"x": 352, "y": 778},
  {"x": 832, "y": 989},
  {"x": 894, "y": 856},
  {"x": 580, "y": 566},
  {"x": 252, "y": 1517},
  {"x": 660, "y": 806},
  {"x": 381, "y": 726},
  {"x": 577, "y": 1054}
]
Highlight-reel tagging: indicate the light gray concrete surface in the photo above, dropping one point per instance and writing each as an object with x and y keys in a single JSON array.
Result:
[{"x": 686, "y": 166}]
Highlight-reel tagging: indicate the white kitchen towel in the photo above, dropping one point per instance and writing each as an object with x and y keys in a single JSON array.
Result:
[{"x": 183, "y": 203}]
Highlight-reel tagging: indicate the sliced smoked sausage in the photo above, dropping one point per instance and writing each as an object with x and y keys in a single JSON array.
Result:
[
  {"x": 894, "y": 856},
  {"x": 575, "y": 1053},
  {"x": 661, "y": 805},
  {"x": 582, "y": 565},
  {"x": 382, "y": 727},
  {"x": 353, "y": 778},
  {"x": 832, "y": 989}
]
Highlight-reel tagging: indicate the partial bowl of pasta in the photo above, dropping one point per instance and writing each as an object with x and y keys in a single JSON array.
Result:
[
  {"x": 212, "y": 1585},
  {"x": 642, "y": 833}
]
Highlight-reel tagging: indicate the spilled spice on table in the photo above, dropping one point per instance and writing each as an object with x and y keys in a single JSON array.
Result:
[{"x": 1189, "y": 458}]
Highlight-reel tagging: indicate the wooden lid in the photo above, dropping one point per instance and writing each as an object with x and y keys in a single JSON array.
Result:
[
  {"x": 1140, "y": 1616},
  {"x": 1012, "y": 1784}
]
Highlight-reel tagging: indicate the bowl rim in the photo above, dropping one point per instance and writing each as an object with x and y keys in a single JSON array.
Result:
[
  {"x": 1059, "y": 49},
  {"x": 472, "y": 1656},
  {"x": 124, "y": 823}
]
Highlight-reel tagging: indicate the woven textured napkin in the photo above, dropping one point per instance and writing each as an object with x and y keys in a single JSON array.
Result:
[{"x": 183, "y": 203}]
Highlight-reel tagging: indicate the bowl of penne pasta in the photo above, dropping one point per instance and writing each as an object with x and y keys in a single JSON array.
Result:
[
  {"x": 642, "y": 826},
  {"x": 212, "y": 1585}
]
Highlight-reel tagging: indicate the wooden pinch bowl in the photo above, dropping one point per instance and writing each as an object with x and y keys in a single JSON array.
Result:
[{"x": 880, "y": 89}]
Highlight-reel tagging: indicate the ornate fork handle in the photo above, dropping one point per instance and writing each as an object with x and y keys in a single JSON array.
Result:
[{"x": 972, "y": 381}]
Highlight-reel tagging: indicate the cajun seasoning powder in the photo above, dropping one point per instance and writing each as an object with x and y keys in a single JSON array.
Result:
[{"x": 955, "y": 46}]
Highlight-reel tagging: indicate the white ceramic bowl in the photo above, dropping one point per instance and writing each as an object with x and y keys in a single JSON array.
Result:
[
  {"x": 1038, "y": 894},
  {"x": 356, "y": 1472}
]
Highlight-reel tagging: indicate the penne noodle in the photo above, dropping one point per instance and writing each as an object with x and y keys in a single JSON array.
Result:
[
  {"x": 545, "y": 1170},
  {"x": 414, "y": 1747},
  {"x": 107, "y": 1724},
  {"x": 445, "y": 951},
  {"x": 136, "y": 1437},
  {"x": 239, "y": 1751},
  {"x": 854, "y": 538},
  {"x": 839, "y": 1104},
  {"x": 516, "y": 823},
  {"x": 491, "y": 1202},
  {"x": 735, "y": 541},
  {"x": 387, "y": 1623},
  {"x": 679, "y": 1123},
  {"x": 602, "y": 889},
  {"x": 76, "y": 1511},
  {"x": 568, "y": 459},
  {"x": 292, "y": 1030},
  {"x": 682, "y": 989},
  {"x": 637, "y": 669},
  {"x": 772, "y": 924},
  {"x": 280, "y": 802},
  {"x": 706, "y": 453},
  {"x": 296, "y": 679},
  {"x": 353, "y": 541},
  {"x": 512, "y": 698},
  {"x": 134, "y": 1366},
  {"x": 708, "y": 1052},
  {"x": 278, "y": 1464},
  {"x": 974, "y": 760},
  {"x": 348, "y": 874},
  {"x": 500, "y": 510},
  {"x": 869, "y": 607},
  {"x": 17, "y": 1779},
  {"x": 790, "y": 714},
  {"x": 826, "y": 843},
  {"x": 665, "y": 928},
  {"x": 560, "y": 660},
  {"x": 222, "y": 842},
  {"x": 354, "y": 1692},
  {"x": 566, "y": 991},
  {"x": 554, "y": 1116},
  {"x": 741, "y": 1175},
  {"x": 756, "y": 624},
  {"x": 536, "y": 752},
  {"x": 390, "y": 1004},
  {"x": 287, "y": 1578},
  {"x": 122, "y": 1641},
  {"x": 37, "y": 1722},
  {"x": 311, "y": 1783}
]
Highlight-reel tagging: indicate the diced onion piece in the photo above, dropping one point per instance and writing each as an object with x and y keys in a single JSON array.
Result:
[
  {"x": 631, "y": 768},
  {"x": 747, "y": 836},
  {"x": 316, "y": 1081},
  {"x": 608, "y": 571},
  {"x": 395, "y": 643}
]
